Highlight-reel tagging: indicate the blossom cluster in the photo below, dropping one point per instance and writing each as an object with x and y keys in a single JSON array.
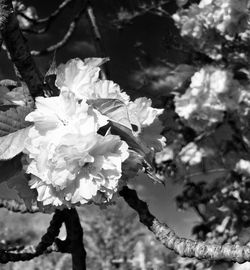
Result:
[
  {"x": 70, "y": 161},
  {"x": 212, "y": 92},
  {"x": 227, "y": 17}
]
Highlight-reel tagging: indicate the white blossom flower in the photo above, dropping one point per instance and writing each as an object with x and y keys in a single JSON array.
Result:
[
  {"x": 82, "y": 79},
  {"x": 144, "y": 117},
  {"x": 191, "y": 154},
  {"x": 243, "y": 166},
  {"x": 165, "y": 155},
  {"x": 68, "y": 160},
  {"x": 141, "y": 113},
  {"x": 228, "y": 17},
  {"x": 212, "y": 91}
]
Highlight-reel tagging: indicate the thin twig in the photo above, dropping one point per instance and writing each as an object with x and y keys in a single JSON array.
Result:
[
  {"x": 98, "y": 40},
  {"x": 66, "y": 37},
  {"x": 48, "y": 20},
  {"x": 1, "y": 41},
  {"x": 153, "y": 8},
  {"x": 184, "y": 247}
]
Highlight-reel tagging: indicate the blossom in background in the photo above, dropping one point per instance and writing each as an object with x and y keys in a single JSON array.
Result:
[
  {"x": 228, "y": 17},
  {"x": 243, "y": 167},
  {"x": 191, "y": 154},
  {"x": 69, "y": 162},
  {"x": 189, "y": 23},
  {"x": 212, "y": 91}
]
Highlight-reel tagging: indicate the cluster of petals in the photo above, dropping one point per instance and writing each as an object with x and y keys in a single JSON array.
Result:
[
  {"x": 191, "y": 154},
  {"x": 243, "y": 167},
  {"x": 82, "y": 79},
  {"x": 70, "y": 163},
  {"x": 228, "y": 17},
  {"x": 212, "y": 91}
]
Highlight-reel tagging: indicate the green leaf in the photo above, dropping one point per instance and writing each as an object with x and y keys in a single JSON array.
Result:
[
  {"x": 12, "y": 118},
  {"x": 13, "y": 143},
  {"x": 115, "y": 109},
  {"x": 10, "y": 168}
]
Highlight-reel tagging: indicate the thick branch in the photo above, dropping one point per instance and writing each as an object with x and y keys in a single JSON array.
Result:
[
  {"x": 19, "y": 50},
  {"x": 184, "y": 247},
  {"x": 66, "y": 37},
  {"x": 44, "y": 246},
  {"x": 74, "y": 241}
]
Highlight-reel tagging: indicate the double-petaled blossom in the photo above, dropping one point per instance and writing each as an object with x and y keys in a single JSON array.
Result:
[
  {"x": 243, "y": 167},
  {"x": 82, "y": 79},
  {"x": 227, "y": 17},
  {"x": 69, "y": 162},
  {"x": 191, "y": 154},
  {"x": 212, "y": 91}
]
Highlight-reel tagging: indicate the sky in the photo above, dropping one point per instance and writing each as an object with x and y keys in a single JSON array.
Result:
[{"x": 153, "y": 33}]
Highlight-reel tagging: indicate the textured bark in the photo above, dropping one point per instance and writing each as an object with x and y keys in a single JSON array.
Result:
[
  {"x": 74, "y": 241},
  {"x": 184, "y": 247},
  {"x": 18, "y": 49},
  {"x": 45, "y": 245}
]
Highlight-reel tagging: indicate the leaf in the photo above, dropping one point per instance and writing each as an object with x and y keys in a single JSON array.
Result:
[
  {"x": 95, "y": 61},
  {"x": 50, "y": 78},
  {"x": 13, "y": 143},
  {"x": 144, "y": 154},
  {"x": 181, "y": 3},
  {"x": 3, "y": 91},
  {"x": 244, "y": 236},
  {"x": 12, "y": 118},
  {"x": 18, "y": 96},
  {"x": 8, "y": 83},
  {"x": 19, "y": 182},
  {"x": 10, "y": 168},
  {"x": 115, "y": 109}
]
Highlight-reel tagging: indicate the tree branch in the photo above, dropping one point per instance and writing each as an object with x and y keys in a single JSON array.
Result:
[
  {"x": 44, "y": 246},
  {"x": 19, "y": 50},
  {"x": 50, "y": 17},
  {"x": 74, "y": 241},
  {"x": 184, "y": 247},
  {"x": 48, "y": 20},
  {"x": 66, "y": 37},
  {"x": 98, "y": 40}
]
